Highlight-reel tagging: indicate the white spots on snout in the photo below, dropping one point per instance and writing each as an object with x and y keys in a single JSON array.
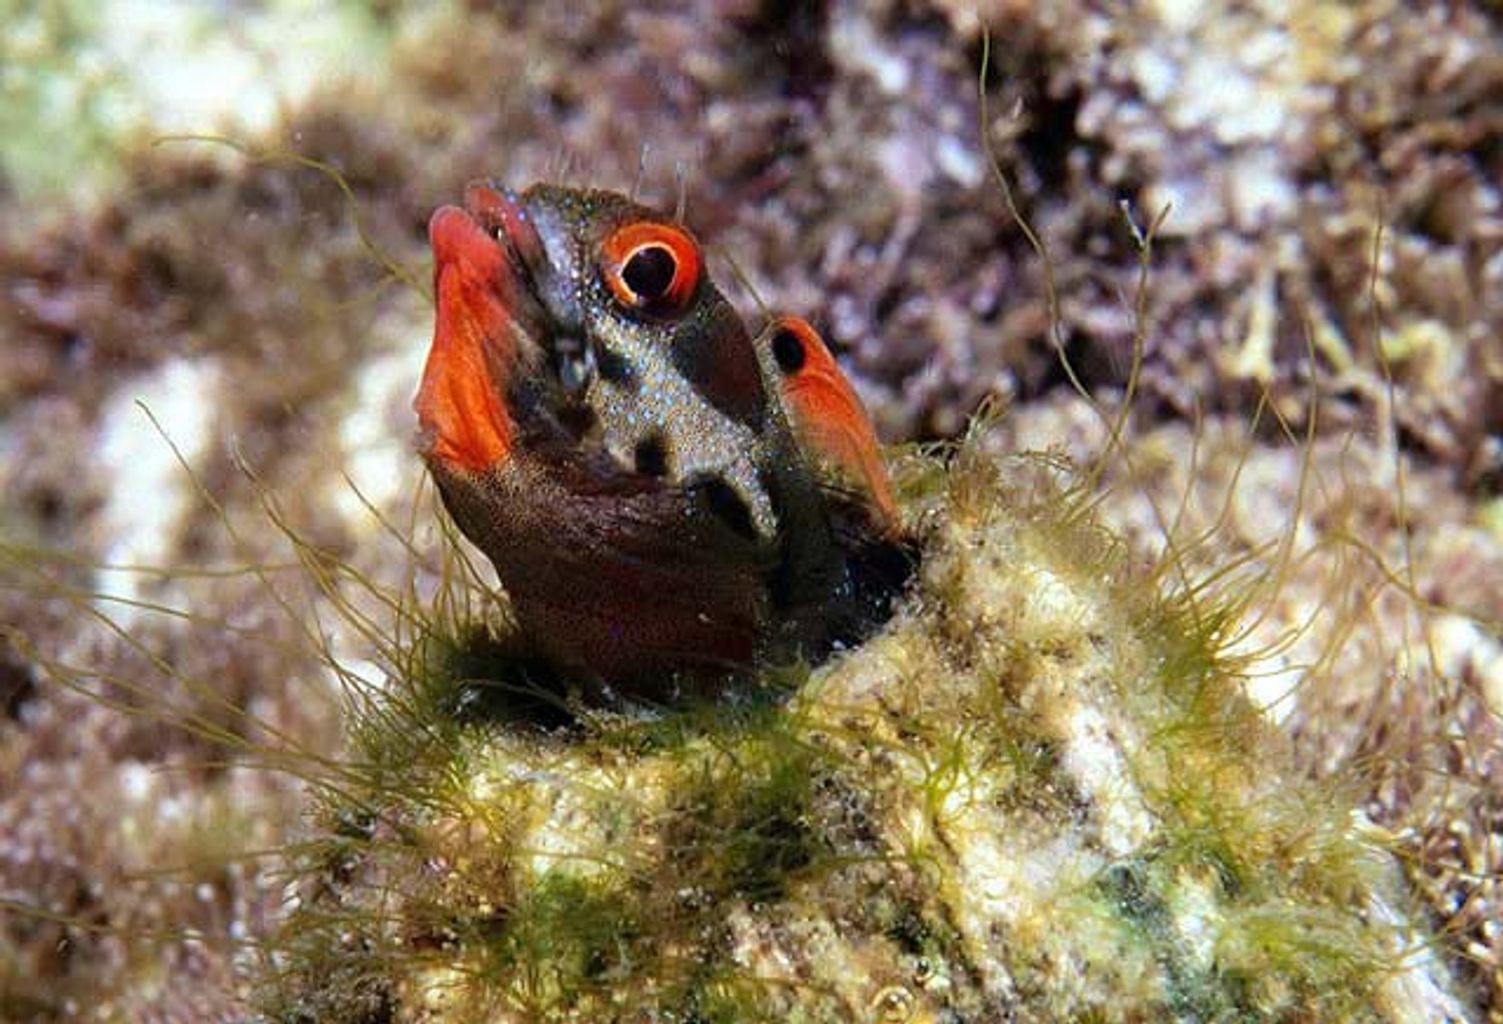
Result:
[
  {"x": 149, "y": 491},
  {"x": 706, "y": 444}
]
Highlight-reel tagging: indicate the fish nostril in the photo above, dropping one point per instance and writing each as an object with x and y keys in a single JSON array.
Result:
[
  {"x": 652, "y": 456},
  {"x": 614, "y": 368},
  {"x": 574, "y": 362}
]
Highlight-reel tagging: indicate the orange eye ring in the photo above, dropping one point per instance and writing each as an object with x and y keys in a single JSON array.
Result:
[{"x": 652, "y": 267}]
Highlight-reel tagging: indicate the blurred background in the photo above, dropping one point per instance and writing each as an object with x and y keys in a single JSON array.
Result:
[{"x": 213, "y": 279}]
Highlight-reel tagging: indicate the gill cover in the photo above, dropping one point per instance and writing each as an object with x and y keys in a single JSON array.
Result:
[{"x": 828, "y": 418}]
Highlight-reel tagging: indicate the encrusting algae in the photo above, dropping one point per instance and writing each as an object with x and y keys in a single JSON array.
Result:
[{"x": 1040, "y": 793}]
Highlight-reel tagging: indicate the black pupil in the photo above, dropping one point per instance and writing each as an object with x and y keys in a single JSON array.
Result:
[
  {"x": 649, "y": 272},
  {"x": 788, "y": 350}
]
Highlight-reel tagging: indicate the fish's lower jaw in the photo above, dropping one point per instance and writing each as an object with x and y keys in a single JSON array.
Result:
[
  {"x": 631, "y": 583},
  {"x": 610, "y": 582}
]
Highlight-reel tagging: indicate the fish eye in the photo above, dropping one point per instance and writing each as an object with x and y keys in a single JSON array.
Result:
[
  {"x": 791, "y": 338},
  {"x": 652, "y": 267}
]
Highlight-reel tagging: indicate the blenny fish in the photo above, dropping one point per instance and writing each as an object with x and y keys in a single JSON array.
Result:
[{"x": 662, "y": 493}]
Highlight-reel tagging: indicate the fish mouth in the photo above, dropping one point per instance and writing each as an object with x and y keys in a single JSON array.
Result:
[{"x": 488, "y": 331}]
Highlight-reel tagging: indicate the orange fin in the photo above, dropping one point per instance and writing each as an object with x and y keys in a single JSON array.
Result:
[
  {"x": 461, "y": 412},
  {"x": 828, "y": 417}
]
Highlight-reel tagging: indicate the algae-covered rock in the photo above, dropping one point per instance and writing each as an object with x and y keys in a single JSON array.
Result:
[{"x": 1040, "y": 794}]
